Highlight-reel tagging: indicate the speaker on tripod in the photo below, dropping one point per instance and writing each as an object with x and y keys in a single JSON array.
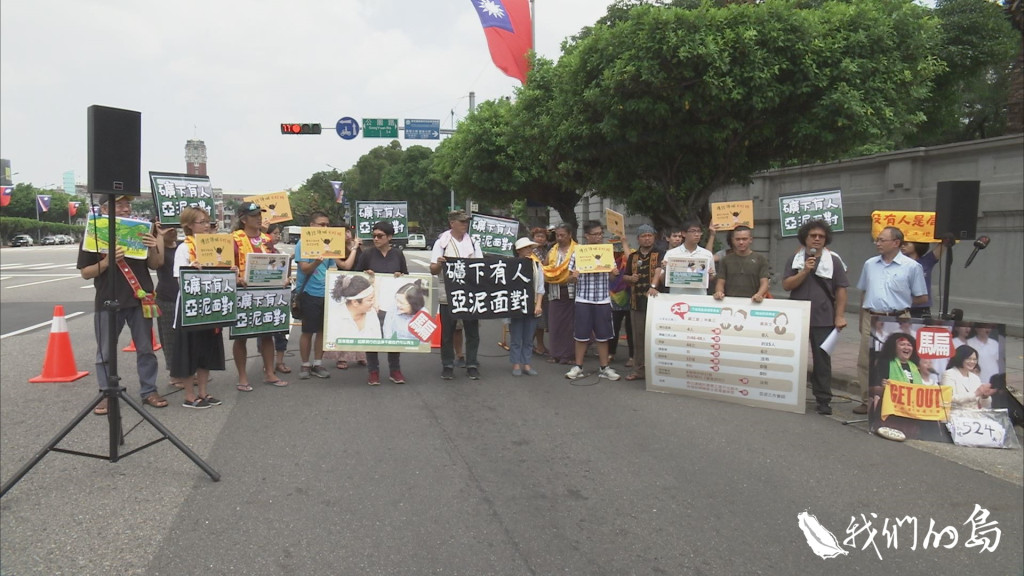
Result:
[
  {"x": 956, "y": 218},
  {"x": 115, "y": 148}
]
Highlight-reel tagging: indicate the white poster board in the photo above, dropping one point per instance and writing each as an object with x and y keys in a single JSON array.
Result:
[{"x": 731, "y": 350}]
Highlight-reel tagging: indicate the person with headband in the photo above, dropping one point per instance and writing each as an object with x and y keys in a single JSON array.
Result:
[{"x": 358, "y": 317}]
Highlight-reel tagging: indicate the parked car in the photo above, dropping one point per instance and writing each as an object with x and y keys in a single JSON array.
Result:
[
  {"x": 49, "y": 241},
  {"x": 417, "y": 241},
  {"x": 65, "y": 239},
  {"x": 22, "y": 240}
]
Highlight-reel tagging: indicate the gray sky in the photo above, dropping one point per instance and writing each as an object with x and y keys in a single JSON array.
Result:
[{"x": 230, "y": 72}]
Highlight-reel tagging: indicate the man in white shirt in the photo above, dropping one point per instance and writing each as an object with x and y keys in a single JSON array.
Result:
[
  {"x": 455, "y": 243},
  {"x": 988, "y": 352},
  {"x": 688, "y": 249}
]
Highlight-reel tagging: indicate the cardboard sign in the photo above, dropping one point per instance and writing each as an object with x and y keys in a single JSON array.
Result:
[
  {"x": 322, "y": 242},
  {"x": 261, "y": 311},
  {"x": 129, "y": 233},
  {"x": 369, "y": 213},
  {"x": 728, "y": 215},
  {"x": 595, "y": 258},
  {"x": 615, "y": 223},
  {"x": 262, "y": 270},
  {"x": 207, "y": 298},
  {"x": 379, "y": 313},
  {"x": 172, "y": 193},
  {"x": 275, "y": 206},
  {"x": 916, "y": 226},
  {"x": 494, "y": 235},
  {"x": 826, "y": 205},
  {"x": 690, "y": 272},
  {"x": 215, "y": 250}
]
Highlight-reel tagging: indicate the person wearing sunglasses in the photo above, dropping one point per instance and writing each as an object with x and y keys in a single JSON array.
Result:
[{"x": 383, "y": 259}]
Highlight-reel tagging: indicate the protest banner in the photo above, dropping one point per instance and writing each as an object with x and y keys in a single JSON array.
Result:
[
  {"x": 731, "y": 350},
  {"x": 274, "y": 206},
  {"x": 494, "y": 235},
  {"x": 261, "y": 311},
  {"x": 207, "y": 298},
  {"x": 615, "y": 224},
  {"x": 369, "y": 213},
  {"x": 595, "y": 258},
  {"x": 322, "y": 242},
  {"x": 917, "y": 401},
  {"x": 688, "y": 272},
  {"x": 728, "y": 215},
  {"x": 263, "y": 270},
  {"x": 215, "y": 250},
  {"x": 916, "y": 226},
  {"x": 129, "y": 232},
  {"x": 489, "y": 288},
  {"x": 826, "y": 205},
  {"x": 172, "y": 193},
  {"x": 378, "y": 313}
]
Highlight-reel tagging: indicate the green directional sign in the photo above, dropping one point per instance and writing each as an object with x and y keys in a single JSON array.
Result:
[{"x": 380, "y": 127}]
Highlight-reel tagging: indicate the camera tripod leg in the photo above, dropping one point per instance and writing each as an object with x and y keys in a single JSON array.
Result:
[{"x": 213, "y": 474}]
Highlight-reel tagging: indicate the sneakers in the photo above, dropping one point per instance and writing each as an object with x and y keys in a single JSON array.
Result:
[
  {"x": 212, "y": 401},
  {"x": 198, "y": 404},
  {"x": 304, "y": 372},
  {"x": 447, "y": 373},
  {"x": 860, "y": 409},
  {"x": 396, "y": 377},
  {"x": 320, "y": 372},
  {"x": 609, "y": 373},
  {"x": 473, "y": 373},
  {"x": 517, "y": 371},
  {"x": 824, "y": 409},
  {"x": 461, "y": 362},
  {"x": 374, "y": 379},
  {"x": 574, "y": 373},
  {"x": 530, "y": 372}
]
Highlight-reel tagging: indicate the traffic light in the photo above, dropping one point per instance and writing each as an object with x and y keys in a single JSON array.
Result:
[{"x": 300, "y": 128}]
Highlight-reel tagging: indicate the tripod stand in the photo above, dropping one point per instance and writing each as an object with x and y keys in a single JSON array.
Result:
[{"x": 112, "y": 393}]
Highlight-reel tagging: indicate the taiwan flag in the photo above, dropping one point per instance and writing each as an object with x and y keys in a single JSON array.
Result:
[
  {"x": 73, "y": 208},
  {"x": 5, "y": 195},
  {"x": 339, "y": 192},
  {"x": 507, "y": 25},
  {"x": 43, "y": 201}
]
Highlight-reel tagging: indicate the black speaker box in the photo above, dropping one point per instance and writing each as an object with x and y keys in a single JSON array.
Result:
[
  {"x": 956, "y": 209},
  {"x": 115, "y": 147}
]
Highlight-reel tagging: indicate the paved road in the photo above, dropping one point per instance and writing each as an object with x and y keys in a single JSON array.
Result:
[{"x": 502, "y": 476}]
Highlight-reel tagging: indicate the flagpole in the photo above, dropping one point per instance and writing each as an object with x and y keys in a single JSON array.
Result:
[{"x": 533, "y": 27}]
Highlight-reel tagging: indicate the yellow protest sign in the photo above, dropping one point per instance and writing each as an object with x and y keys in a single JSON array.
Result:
[
  {"x": 215, "y": 250},
  {"x": 616, "y": 224},
  {"x": 916, "y": 226},
  {"x": 594, "y": 258},
  {"x": 728, "y": 215},
  {"x": 318, "y": 242},
  {"x": 917, "y": 401},
  {"x": 275, "y": 205}
]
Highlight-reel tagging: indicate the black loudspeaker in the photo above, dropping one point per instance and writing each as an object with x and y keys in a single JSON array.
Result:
[
  {"x": 115, "y": 147},
  {"x": 956, "y": 209}
]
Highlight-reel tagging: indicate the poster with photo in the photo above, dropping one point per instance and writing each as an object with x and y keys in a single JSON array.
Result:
[
  {"x": 265, "y": 270},
  {"x": 129, "y": 232},
  {"x": 172, "y": 193},
  {"x": 690, "y": 272},
  {"x": 378, "y": 312}
]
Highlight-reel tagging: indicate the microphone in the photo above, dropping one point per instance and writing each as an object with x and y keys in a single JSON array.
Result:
[
  {"x": 980, "y": 244},
  {"x": 812, "y": 253}
]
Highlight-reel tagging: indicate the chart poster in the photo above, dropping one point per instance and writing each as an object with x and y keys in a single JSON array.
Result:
[
  {"x": 615, "y": 223},
  {"x": 826, "y": 205},
  {"x": 129, "y": 232},
  {"x": 261, "y": 311},
  {"x": 916, "y": 226},
  {"x": 378, "y": 313},
  {"x": 688, "y": 272},
  {"x": 274, "y": 206},
  {"x": 172, "y": 193},
  {"x": 728, "y": 215},
  {"x": 369, "y": 213},
  {"x": 485, "y": 288},
  {"x": 731, "y": 350},
  {"x": 207, "y": 298},
  {"x": 595, "y": 258},
  {"x": 215, "y": 250},
  {"x": 322, "y": 242},
  {"x": 494, "y": 235},
  {"x": 267, "y": 270}
]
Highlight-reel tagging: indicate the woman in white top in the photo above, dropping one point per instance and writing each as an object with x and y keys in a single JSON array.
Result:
[{"x": 968, "y": 389}]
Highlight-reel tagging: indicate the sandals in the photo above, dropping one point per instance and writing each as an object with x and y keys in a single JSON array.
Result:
[
  {"x": 278, "y": 382},
  {"x": 635, "y": 376},
  {"x": 155, "y": 400},
  {"x": 629, "y": 363},
  {"x": 100, "y": 408},
  {"x": 243, "y": 388},
  {"x": 540, "y": 352},
  {"x": 503, "y": 345},
  {"x": 342, "y": 365},
  {"x": 282, "y": 368}
]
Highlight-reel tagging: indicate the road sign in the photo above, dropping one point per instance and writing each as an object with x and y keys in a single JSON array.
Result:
[
  {"x": 422, "y": 129},
  {"x": 347, "y": 128},
  {"x": 380, "y": 127}
]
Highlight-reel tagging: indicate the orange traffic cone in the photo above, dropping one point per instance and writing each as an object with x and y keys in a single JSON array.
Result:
[
  {"x": 435, "y": 338},
  {"x": 59, "y": 365},
  {"x": 156, "y": 345}
]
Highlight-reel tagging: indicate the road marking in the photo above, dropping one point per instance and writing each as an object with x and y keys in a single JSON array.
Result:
[
  {"x": 64, "y": 277},
  {"x": 40, "y": 325}
]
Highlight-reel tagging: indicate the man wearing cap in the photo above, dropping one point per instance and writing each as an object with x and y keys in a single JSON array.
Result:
[
  {"x": 690, "y": 248},
  {"x": 592, "y": 311},
  {"x": 136, "y": 304},
  {"x": 455, "y": 243},
  {"x": 641, "y": 269}
]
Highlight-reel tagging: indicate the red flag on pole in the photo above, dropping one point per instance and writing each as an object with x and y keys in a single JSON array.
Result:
[
  {"x": 507, "y": 25},
  {"x": 5, "y": 195},
  {"x": 73, "y": 208}
]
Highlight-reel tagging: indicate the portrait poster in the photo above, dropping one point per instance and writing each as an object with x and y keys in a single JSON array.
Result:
[
  {"x": 275, "y": 206},
  {"x": 129, "y": 233},
  {"x": 322, "y": 242},
  {"x": 207, "y": 298},
  {"x": 378, "y": 312},
  {"x": 487, "y": 288},
  {"x": 916, "y": 226},
  {"x": 615, "y": 224},
  {"x": 595, "y": 258},
  {"x": 261, "y": 311},
  {"x": 731, "y": 350},
  {"x": 728, "y": 215},
  {"x": 369, "y": 213},
  {"x": 825, "y": 205},
  {"x": 687, "y": 272},
  {"x": 494, "y": 235},
  {"x": 267, "y": 270},
  {"x": 172, "y": 193},
  {"x": 215, "y": 250}
]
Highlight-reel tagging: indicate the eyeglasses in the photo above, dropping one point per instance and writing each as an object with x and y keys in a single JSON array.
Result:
[
  {"x": 380, "y": 235},
  {"x": 815, "y": 235},
  {"x": 694, "y": 231},
  {"x": 599, "y": 233},
  {"x": 879, "y": 240},
  {"x": 202, "y": 222}
]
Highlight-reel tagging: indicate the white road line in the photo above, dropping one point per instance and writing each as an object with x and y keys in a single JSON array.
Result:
[
  {"x": 43, "y": 266},
  {"x": 67, "y": 277},
  {"x": 37, "y": 326}
]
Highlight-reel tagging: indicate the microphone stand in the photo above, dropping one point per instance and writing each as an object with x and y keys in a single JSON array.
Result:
[{"x": 948, "y": 241}]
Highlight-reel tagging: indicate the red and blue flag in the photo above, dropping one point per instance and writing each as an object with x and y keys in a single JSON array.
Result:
[
  {"x": 5, "y": 195},
  {"x": 508, "y": 27}
]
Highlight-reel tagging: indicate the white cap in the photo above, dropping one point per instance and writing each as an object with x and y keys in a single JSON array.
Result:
[{"x": 525, "y": 243}]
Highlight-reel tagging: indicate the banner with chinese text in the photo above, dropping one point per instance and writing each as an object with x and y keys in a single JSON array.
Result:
[
  {"x": 825, "y": 205},
  {"x": 207, "y": 298},
  {"x": 494, "y": 235},
  {"x": 728, "y": 215},
  {"x": 275, "y": 207},
  {"x": 489, "y": 287},
  {"x": 916, "y": 226},
  {"x": 369, "y": 213},
  {"x": 215, "y": 250},
  {"x": 261, "y": 311},
  {"x": 172, "y": 193}
]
